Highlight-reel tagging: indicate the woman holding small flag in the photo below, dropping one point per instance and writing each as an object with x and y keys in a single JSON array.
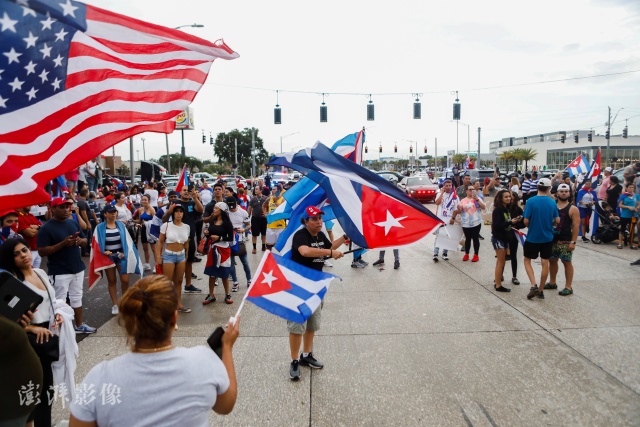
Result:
[
  {"x": 470, "y": 209},
  {"x": 219, "y": 235}
]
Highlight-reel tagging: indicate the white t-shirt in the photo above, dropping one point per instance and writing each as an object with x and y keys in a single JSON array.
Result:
[
  {"x": 238, "y": 218},
  {"x": 153, "y": 197},
  {"x": 91, "y": 167},
  {"x": 135, "y": 198},
  {"x": 170, "y": 388},
  {"x": 175, "y": 234},
  {"x": 43, "y": 313},
  {"x": 449, "y": 204},
  {"x": 124, "y": 214}
]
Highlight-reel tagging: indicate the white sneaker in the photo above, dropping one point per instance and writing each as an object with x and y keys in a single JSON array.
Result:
[
  {"x": 114, "y": 310},
  {"x": 146, "y": 267},
  {"x": 327, "y": 263}
]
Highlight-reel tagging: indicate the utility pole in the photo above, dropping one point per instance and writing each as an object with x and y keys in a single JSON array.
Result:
[
  {"x": 166, "y": 141},
  {"x": 436, "y": 153},
  {"x": 235, "y": 170},
  {"x": 478, "y": 146},
  {"x": 606, "y": 161},
  {"x": 144, "y": 153},
  {"x": 182, "y": 149},
  {"x": 457, "y": 145},
  {"x": 131, "y": 159},
  {"x": 253, "y": 152}
]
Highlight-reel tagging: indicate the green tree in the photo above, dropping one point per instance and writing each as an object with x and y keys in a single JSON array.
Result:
[
  {"x": 507, "y": 156},
  {"x": 526, "y": 155},
  {"x": 459, "y": 158},
  {"x": 178, "y": 160},
  {"x": 224, "y": 148}
]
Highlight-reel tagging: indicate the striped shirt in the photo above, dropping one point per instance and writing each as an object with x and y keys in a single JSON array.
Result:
[
  {"x": 533, "y": 186},
  {"x": 526, "y": 186},
  {"x": 112, "y": 241}
]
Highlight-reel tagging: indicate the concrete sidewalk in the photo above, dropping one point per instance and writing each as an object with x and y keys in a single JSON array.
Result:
[{"x": 434, "y": 344}]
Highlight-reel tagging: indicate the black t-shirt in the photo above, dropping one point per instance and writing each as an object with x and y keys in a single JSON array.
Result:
[
  {"x": 304, "y": 238},
  {"x": 84, "y": 206},
  {"x": 190, "y": 214},
  {"x": 67, "y": 260},
  {"x": 613, "y": 194}
]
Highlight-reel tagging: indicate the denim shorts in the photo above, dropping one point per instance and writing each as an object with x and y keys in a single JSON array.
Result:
[
  {"x": 173, "y": 258},
  {"x": 498, "y": 244}
]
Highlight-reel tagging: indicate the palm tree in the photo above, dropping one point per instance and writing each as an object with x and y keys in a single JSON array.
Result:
[
  {"x": 459, "y": 158},
  {"x": 526, "y": 155},
  {"x": 507, "y": 156}
]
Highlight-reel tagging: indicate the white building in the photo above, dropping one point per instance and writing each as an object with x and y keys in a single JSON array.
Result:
[{"x": 553, "y": 154}]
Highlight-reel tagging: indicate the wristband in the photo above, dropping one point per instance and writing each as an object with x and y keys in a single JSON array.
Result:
[
  {"x": 345, "y": 237},
  {"x": 331, "y": 253}
]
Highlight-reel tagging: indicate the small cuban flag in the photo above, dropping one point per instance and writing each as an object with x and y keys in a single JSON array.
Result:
[
  {"x": 520, "y": 236},
  {"x": 288, "y": 289},
  {"x": 183, "y": 181},
  {"x": 578, "y": 166}
]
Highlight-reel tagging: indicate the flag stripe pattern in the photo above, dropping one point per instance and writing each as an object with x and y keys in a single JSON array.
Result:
[
  {"x": 78, "y": 79},
  {"x": 578, "y": 166},
  {"x": 307, "y": 289}
]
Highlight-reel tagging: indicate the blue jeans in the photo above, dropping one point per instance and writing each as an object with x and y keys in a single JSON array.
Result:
[
  {"x": 245, "y": 265},
  {"x": 92, "y": 183}
]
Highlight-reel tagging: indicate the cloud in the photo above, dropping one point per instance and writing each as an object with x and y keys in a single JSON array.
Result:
[{"x": 491, "y": 36}]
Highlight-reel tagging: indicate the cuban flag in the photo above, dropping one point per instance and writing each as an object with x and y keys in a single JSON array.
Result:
[
  {"x": 594, "y": 172},
  {"x": 350, "y": 147},
  {"x": 373, "y": 212},
  {"x": 522, "y": 237},
  {"x": 183, "y": 180},
  {"x": 578, "y": 166},
  {"x": 59, "y": 187},
  {"x": 156, "y": 223},
  {"x": 288, "y": 289},
  {"x": 98, "y": 261},
  {"x": 219, "y": 255}
]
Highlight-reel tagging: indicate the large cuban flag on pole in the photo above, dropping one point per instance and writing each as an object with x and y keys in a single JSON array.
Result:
[
  {"x": 373, "y": 212},
  {"x": 286, "y": 288}
]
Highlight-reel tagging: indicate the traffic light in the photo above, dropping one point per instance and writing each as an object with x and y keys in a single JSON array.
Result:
[
  {"x": 575, "y": 137},
  {"x": 411, "y": 149},
  {"x": 381, "y": 148},
  {"x": 277, "y": 115},
  {"x": 625, "y": 132},
  {"x": 371, "y": 111},
  {"x": 395, "y": 148},
  {"x": 456, "y": 111},
  {"x": 366, "y": 149},
  {"x": 417, "y": 109},
  {"x": 562, "y": 138},
  {"x": 323, "y": 113},
  {"x": 606, "y": 134},
  {"x": 204, "y": 138},
  {"x": 590, "y": 137},
  {"x": 425, "y": 149}
]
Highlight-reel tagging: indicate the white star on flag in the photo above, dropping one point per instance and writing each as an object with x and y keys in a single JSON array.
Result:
[
  {"x": 269, "y": 278},
  {"x": 390, "y": 222}
]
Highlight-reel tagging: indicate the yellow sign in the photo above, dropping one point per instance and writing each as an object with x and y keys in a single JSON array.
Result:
[{"x": 185, "y": 120}]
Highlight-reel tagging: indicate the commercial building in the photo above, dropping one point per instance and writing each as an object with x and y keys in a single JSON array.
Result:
[{"x": 552, "y": 153}]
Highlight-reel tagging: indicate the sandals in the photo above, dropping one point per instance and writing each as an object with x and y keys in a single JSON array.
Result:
[
  {"x": 565, "y": 292},
  {"x": 184, "y": 310},
  {"x": 551, "y": 286}
]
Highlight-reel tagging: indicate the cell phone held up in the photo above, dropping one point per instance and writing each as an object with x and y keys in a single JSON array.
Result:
[
  {"x": 15, "y": 298},
  {"x": 215, "y": 341}
]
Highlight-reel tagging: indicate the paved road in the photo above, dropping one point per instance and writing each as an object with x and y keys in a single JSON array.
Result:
[{"x": 431, "y": 344}]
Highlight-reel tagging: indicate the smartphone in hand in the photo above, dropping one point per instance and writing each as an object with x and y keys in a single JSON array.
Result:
[{"x": 215, "y": 341}]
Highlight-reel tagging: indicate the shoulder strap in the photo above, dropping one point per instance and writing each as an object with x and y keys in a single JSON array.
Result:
[{"x": 46, "y": 288}]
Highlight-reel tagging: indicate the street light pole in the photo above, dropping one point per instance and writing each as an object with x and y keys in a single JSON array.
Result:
[
  {"x": 285, "y": 136},
  {"x": 144, "y": 152}
]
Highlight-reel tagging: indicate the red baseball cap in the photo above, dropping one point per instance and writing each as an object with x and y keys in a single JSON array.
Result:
[
  {"x": 57, "y": 201},
  {"x": 7, "y": 212},
  {"x": 313, "y": 211}
]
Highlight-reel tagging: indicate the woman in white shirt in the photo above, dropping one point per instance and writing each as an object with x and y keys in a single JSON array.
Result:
[
  {"x": 159, "y": 384},
  {"x": 15, "y": 257},
  {"x": 173, "y": 244},
  {"x": 153, "y": 194},
  {"x": 124, "y": 214},
  {"x": 135, "y": 197}
]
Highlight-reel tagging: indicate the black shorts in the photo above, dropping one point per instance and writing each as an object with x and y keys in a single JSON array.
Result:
[
  {"x": 532, "y": 250},
  {"x": 143, "y": 234},
  {"x": 191, "y": 254},
  {"x": 258, "y": 226}
]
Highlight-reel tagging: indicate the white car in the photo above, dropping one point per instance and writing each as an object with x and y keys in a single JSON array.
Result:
[{"x": 205, "y": 175}]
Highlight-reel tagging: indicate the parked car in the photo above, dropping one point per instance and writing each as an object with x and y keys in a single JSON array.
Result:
[
  {"x": 393, "y": 178},
  {"x": 205, "y": 175},
  {"x": 421, "y": 188},
  {"x": 277, "y": 177}
]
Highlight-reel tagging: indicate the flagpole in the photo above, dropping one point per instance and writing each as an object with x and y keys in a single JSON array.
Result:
[{"x": 232, "y": 319}]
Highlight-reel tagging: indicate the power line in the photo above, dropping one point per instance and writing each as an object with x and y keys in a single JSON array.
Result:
[{"x": 413, "y": 93}]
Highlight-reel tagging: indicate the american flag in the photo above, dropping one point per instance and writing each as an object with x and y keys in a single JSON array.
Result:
[{"x": 76, "y": 80}]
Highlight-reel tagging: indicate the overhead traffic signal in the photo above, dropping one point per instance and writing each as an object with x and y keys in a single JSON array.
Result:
[
  {"x": 590, "y": 136},
  {"x": 395, "y": 148},
  {"x": 366, "y": 149},
  {"x": 425, "y": 149},
  {"x": 606, "y": 134},
  {"x": 381, "y": 148},
  {"x": 575, "y": 137},
  {"x": 562, "y": 138},
  {"x": 204, "y": 138},
  {"x": 625, "y": 132},
  {"x": 411, "y": 149}
]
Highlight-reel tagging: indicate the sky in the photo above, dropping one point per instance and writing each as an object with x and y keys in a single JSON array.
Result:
[{"x": 494, "y": 53}]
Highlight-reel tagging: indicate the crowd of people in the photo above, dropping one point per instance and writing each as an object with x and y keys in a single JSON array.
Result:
[{"x": 177, "y": 229}]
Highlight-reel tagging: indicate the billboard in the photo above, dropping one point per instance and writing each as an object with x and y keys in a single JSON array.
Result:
[{"x": 185, "y": 120}]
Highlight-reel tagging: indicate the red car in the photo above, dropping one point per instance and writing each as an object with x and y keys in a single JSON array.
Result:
[{"x": 421, "y": 188}]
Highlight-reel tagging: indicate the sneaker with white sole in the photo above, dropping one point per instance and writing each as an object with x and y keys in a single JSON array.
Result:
[
  {"x": 192, "y": 289},
  {"x": 327, "y": 263},
  {"x": 445, "y": 257},
  {"x": 310, "y": 361},
  {"x": 146, "y": 266},
  {"x": 235, "y": 287},
  {"x": 85, "y": 329},
  {"x": 114, "y": 310},
  {"x": 294, "y": 370},
  {"x": 356, "y": 264}
]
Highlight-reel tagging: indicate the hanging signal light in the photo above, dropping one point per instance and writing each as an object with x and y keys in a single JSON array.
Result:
[
  {"x": 395, "y": 148},
  {"x": 590, "y": 136},
  {"x": 204, "y": 138},
  {"x": 456, "y": 108},
  {"x": 625, "y": 132},
  {"x": 425, "y": 149},
  {"x": 323, "y": 111},
  {"x": 380, "y": 148},
  {"x": 417, "y": 107},
  {"x": 411, "y": 149},
  {"x": 371, "y": 113},
  {"x": 277, "y": 112},
  {"x": 366, "y": 149},
  {"x": 575, "y": 137}
]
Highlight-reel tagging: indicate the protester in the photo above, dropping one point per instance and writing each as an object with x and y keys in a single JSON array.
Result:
[
  {"x": 258, "y": 219},
  {"x": 28, "y": 226},
  {"x": 310, "y": 246},
  {"x": 185, "y": 383},
  {"x": 240, "y": 221},
  {"x": 515, "y": 186},
  {"x": 15, "y": 257},
  {"x": 71, "y": 178},
  {"x": 219, "y": 236},
  {"x": 274, "y": 228},
  {"x": 606, "y": 183},
  {"x": 501, "y": 234},
  {"x": 512, "y": 253},
  {"x": 143, "y": 215},
  {"x": 10, "y": 222},
  {"x": 613, "y": 192},
  {"x": 585, "y": 199},
  {"x": 461, "y": 191},
  {"x": 564, "y": 241},
  {"x": 396, "y": 258},
  {"x": 190, "y": 201},
  {"x": 91, "y": 174},
  {"x": 540, "y": 216},
  {"x": 115, "y": 242},
  {"x": 447, "y": 202},
  {"x": 153, "y": 194},
  {"x": 630, "y": 172},
  {"x": 629, "y": 205},
  {"x": 172, "y": 246},
  {"x": 84, "y": 211},
  {"x": 470, "y": 209},
  {"x": 60, "y": 239}
]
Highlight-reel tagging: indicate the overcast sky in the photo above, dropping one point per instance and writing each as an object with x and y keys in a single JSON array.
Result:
[{"x": 428, "y": 47}]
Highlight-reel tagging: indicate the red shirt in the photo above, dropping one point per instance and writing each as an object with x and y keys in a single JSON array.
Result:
[{"x": 25, "y": 220}]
